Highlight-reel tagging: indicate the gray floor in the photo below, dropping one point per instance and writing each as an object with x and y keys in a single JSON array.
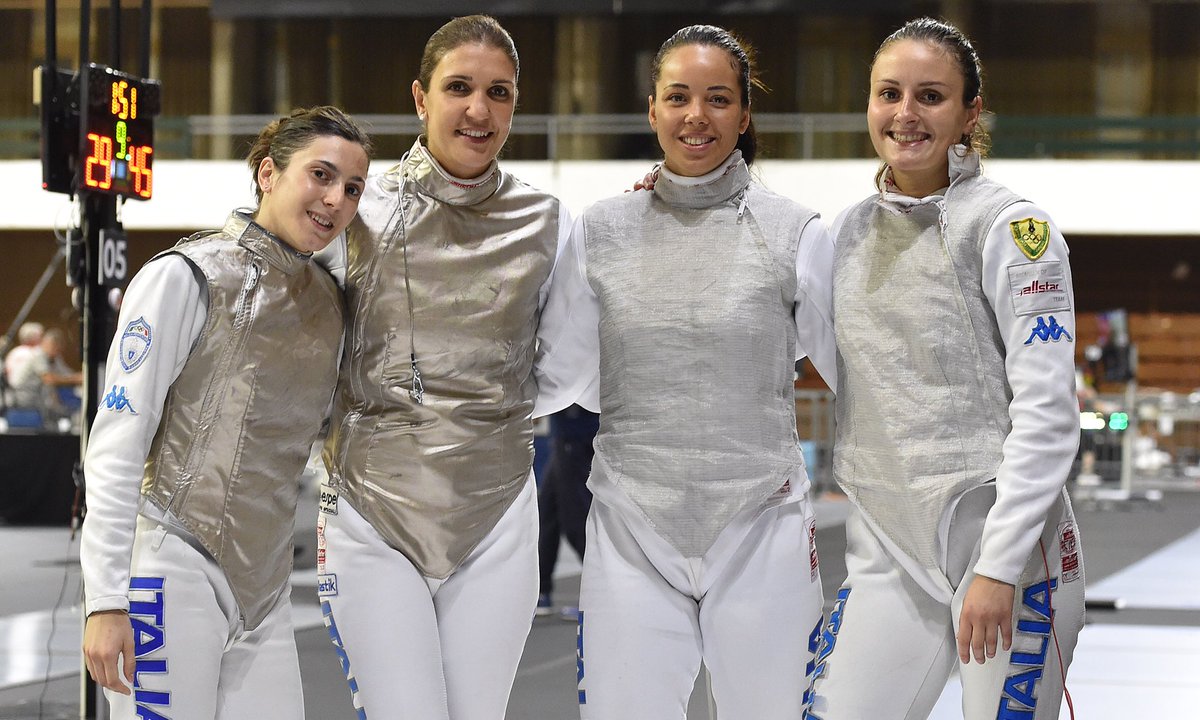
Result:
[{"x": 40, "y": 573}]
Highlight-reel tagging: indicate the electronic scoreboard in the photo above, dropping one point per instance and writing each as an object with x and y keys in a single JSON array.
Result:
[
  {"x": 117, "y": 131},
  {"x": 98, "y": 131}
]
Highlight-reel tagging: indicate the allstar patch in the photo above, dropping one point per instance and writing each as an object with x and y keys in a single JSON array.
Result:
[
  {"x": 135, "y": 344},
  {"x": 1032, "y": 236},
  {"x": 1038, "y": 288}
]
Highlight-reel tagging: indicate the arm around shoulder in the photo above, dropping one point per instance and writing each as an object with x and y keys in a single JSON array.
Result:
[
  {"x": 568, "y": 356},
  {"x": 813, "y": 307}
]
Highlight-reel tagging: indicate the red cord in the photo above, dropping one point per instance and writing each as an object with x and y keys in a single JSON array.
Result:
[{"x": 1053, "y": 633}]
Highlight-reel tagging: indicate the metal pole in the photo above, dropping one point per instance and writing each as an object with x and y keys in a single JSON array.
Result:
[
  {"x": 85, "y": 32},
  {"x": 36, "y": 293},
  {"x": 98, "y": 212},
  {"x": 51, "y": 35},
  {"x": 114, "y": 34},
  {"x": 146, "y": 20},
  {"x": 1127, "y": 440},
  {"x": 90, "y": 700}
]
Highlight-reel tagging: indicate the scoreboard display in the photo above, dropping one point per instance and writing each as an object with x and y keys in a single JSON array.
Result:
[{"x": 117, "y": 132}]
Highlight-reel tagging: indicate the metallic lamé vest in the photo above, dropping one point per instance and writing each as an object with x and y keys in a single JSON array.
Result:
[
  {"x": 240, "y": 420},
  {"x": 697, "y": 350},
  {"x": 922, "y": 401},
  {"x": 434, "y": 478}
]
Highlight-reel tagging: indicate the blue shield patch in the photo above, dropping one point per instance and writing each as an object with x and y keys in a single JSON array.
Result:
[{"x": 135, "y": 344}]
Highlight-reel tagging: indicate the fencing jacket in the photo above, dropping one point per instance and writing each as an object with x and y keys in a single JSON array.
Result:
[
  {"x": 452, "y": 273},
  {"x": 221, "y": 395},
  {"x": 696, "y": 298},
  {"x": 955, "y": 325}
]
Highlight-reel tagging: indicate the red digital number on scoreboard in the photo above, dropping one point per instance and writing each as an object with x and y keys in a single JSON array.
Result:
[{"x": 118, "y": 150}]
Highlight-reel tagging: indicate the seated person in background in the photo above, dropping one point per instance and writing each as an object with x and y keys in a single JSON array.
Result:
[
  {"x": 23, "y": 385},
  {"x": 56, "y": 376},
  {"x": 37, "y": 372}
]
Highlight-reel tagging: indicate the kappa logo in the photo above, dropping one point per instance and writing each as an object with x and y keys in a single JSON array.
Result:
[
  {"x": 1048, "y": 331},
  {"x": 135, "y": 344},
  {"x": 116, "y": 401}
]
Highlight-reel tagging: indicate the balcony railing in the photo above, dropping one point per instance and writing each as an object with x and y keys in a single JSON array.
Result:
[{"x": 807, "y": 135}]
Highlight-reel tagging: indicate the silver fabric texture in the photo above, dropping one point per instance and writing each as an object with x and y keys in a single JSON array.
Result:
[
  {"x": 240, "y": 420},
  {"x": 434, "y": 477},
  {"x": 922, "y": 401},
  {"x": 696, "y": 286}
]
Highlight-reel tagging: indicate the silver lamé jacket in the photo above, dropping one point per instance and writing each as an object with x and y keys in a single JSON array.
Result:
[
  {"x": 240, "y": 419},
  {"x": 449, "y": 273}
]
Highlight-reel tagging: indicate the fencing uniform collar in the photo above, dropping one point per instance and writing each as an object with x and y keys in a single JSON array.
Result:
[
  {"x": 421, "y": 169},
  {"x": 265, "y": 244},
  {"x": 963, "y": 164},
  {"x": 726, "y": 182}
]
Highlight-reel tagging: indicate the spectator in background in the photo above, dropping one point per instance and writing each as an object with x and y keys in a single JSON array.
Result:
[
  {"x": 57, "y": 377},
  {"x": 24, "y": 386},
  {"x": 563, "y": 499},
  {"x": 36, "y": 370}
]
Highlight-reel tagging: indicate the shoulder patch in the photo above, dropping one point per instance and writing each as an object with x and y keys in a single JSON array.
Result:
[
  {"x": 135, "y": 344},
  {"x": 1032, "y": 236},
  {"x": 1038, "y": 288}
]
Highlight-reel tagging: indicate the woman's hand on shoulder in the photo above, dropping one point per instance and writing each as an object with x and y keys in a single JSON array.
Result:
[{"x": 647, "y": 182}]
